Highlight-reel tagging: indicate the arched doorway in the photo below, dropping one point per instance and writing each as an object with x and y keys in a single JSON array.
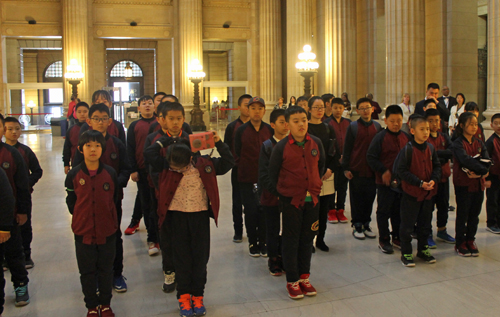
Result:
[
  {"x": 53, "y": 98},
  {"x": 132, "y": 87}
]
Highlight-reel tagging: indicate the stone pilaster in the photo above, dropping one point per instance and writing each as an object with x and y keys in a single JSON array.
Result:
[
  {"x": 493, "y": 93},
  {"x": 3, "y": 77},
  {"x": 405, "y": 67}
]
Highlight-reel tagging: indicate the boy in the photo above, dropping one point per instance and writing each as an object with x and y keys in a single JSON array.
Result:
[
  {"x": 115, "y": 156},
  {"x": 441, "y": 142},
  {"x": 12, "y": 134},
  {"x": 340, "y": 125},
  {"x": 493, "y": 192},
  {"x": 268, "y": 201},
  {"x": 170, "y": 98},
  {"x": 327, "y": 100},
  {"x": 229, "y": 140},
  {"x": 302, "y": 102},
  {"x": 362, "y": 185},
  {"x": 419, "y": 172},
  {"x": 71, "y": 141},
  {"x": 247, "y": 142},
  {"x": 92, "y": 195},
  {"x": 136, "y": 137},
  {"x": 381, "y": 155},
  {"x": 14, "y": 166},
  {"x": 295, "y": 170},
  {"x": 6, "y": 224}
]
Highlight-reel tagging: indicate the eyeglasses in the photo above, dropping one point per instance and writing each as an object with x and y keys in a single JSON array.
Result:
[
  {"x": 97, "y": 120},
  {"x": 318, "y": 108},
  {"x": 364, "y": 109}
]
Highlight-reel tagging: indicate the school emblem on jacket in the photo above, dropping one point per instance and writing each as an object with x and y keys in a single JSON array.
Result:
[
  {"x": 106, "y": 186},
  {"x": 314, "y": 152},
  {"x": 82, "y": 181},
  {"x": 208, "y": 169},
  {"x": 5, "y": 165},
  {"x": 315, "y": 226},
  {"x": 114, "y": 156}
]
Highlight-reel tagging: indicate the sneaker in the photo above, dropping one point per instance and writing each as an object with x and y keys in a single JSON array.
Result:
[
  {"x": 462, "y": 250},
  {"x": 426, "y": 256},
  {"x": 471, "y": 245},
  {"x": 254, "y": 251},
  {"x": 341, "y": 217},
  {"x": 274, "y": 267},
  {"x": 332, "y": 216},
  {"x": 263, "y": 250},
  {"x": 237, "y": 238},
  {"x": 445, "y": 237},
  {"x": 368, "y": 232},
  {"x": 305, "y": 286},
  {"x": 385, "y": 246},
  {"x": 451, "y": 208},
  {"x": 22, "y": 296},
  {"x": 119, "y": 284},
  {"x": 413, "y": 235},
  {"x": 407, "y": 260},
  {"x": 93, "y": 312},
  {"x": 133, "y": 227},
  {"x": 396, "y": 243},
  {"x": 5, "y": 266},
  {"x": 320, "y": 244},
  {"x": 493, "y": 229},
  {"x": 198, "y": 307},
  {"x": 106, "y": 311},
  {"x": 185, "y": 306},
  {"x": 431, "y": 243},
  {"x": 357, "y": 232},
  {"x": 153, "y": 248},
  {"x": 28, "y": 263},
  {"x": 169, "y": 284},
  {"x": 294, "y": 290}
]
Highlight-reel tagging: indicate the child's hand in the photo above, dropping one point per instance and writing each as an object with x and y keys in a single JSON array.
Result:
[
  {"x": 216, "y": 136},
  {"x": 386, "y": 178},
  {"x": 327, "y": 174},
  {"x": 471, "y": 174},
  {"x": 428, "y": 185},
  {"x": 348, "y": 174},
  {"x": 66, "y": 169},
  {"x": 135, "y": 176},
  {"x": 487, "y": 184},
  {"x": 4, "y": 236}
]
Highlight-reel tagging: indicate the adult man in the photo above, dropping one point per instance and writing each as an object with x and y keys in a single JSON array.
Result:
[
  {"x": 448, "y": 100},
  {"x": 433, "y": 92}
]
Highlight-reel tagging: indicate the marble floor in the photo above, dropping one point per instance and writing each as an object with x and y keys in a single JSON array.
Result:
[{"x": 354, "y": 278}]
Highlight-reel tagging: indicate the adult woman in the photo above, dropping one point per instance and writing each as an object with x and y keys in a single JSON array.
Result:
[
  {"x": 456, "y": 111},
  {"x": 406, "y": 107},
  {"x": 280, "y": 104},
  {"x": 347, "y": 103}
]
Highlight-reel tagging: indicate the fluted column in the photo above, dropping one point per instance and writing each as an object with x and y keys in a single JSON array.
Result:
[
  {"x": 405, "y": 44},
  {"x": 298, "y": 34},
  {"x": 3, "y": 77},
  {"x": 493, "y": 92},
  {"x": 190, "y": 40},
  {"x": 270, "y": 50},
  {"x": 75, "y": 44}
]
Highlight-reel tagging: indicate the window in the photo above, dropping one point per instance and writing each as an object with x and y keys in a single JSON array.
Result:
[
  {"x": 119, "y": 69},
  {"x": 54, "y": 70},
  {"x": 53, "y": 73}
]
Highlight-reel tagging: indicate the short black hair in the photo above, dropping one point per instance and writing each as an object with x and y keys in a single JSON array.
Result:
[
  {"x": 144, "y": 98},
  {"x": 167, "y": 106},
  {"x": 313, "y": 99},
  {"x": 495, "y": 116},
  {"x": 101, "y": 93},
  {"x": 338, "y": 101},
  {"x": 327, "y": 98},
  {"x": 170, "y": 96},
  {"x": 431, "y": 113},
  {"x": 82, "y": 104},
  {"x": 471, "y": 106},
  {"x": 275, "y": 114},
  {"x": 393, "y": 109},
  {"x": 417, "y": 120},
  {"x": 98, "y": 107},
  {"x": 160, "y": 93},
  {"x": 428, "y": 101},
  {"x": 294, "y": 110},
  {"x": 2, "y": 119},
  {"x": 361, "y": 100},
  {"x": 89, "y": 136},
  {"x": 301, "y": 98},
  {"x": 415, "y": 116},
  {"x": 179, "y": 152},
  {"x": 245, "y": 96},
  {"x": 11, "y": 119},
  {"x": 433, "y": 86}
]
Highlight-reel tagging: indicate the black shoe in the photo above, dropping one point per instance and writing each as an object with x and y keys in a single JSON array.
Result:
[
  {"x": 426, "y": 256},
  {"x": 169, "y": 284},
  {"x": 451, "y": 208},
  {"x": 22, "y": 296},
  {"x": 462, "y": 250},
  {"x": 385, "y": 246},
  {"x": 238, "y": 238},
  {"x": 275, "y": 267},
  {"x": 407, "y": 260},
  {"x": 263, "y": 250},
  {"x": 320, "y": 244},
  {"x": 254, "y": 251},
  {"x": 28, "y": 263}
]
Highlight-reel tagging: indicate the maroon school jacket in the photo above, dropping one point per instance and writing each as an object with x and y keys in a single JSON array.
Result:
[
  {"x": 421, "y": 166},
  {"x": 439, "y": 144},
  {"x": 340, "y": 130}
]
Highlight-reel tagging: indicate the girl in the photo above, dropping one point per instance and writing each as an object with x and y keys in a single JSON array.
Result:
[
  {"x": 456, "y": 111},
  {"x": 188, "y": 196},
  {"x": 468, "y": 177},
  {"x": 293, "y": 101}
]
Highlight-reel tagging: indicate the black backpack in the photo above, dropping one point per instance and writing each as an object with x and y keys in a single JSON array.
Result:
[{"x": 396, "y": 178}]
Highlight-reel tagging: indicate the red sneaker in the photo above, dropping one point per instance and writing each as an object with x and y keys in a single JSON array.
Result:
[
  {"x": 106, "y": 311},
  {"x": 471, "y": 245},
  {"x": 332, "y": 216},
  {"x": 305, "y": 286},
  {"x": 93, "y": 312},
  {"x": 341, "y": 217},
  {"x": 294, "y": 290},
  {"x": 133, "y": 227}
]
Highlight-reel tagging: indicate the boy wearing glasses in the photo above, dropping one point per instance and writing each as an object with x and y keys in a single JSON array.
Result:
[{"x": 363, "y": 189}]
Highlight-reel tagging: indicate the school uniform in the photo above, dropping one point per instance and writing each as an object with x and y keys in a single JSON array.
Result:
[
  {"x": 71, "y": 143},
  {"x": 468, "y": 191},
  {"x": 362, "y": 186},
  {"x": 155, "y": 126},
  {"x": 92, "y": 197},
  {"x": 6, "y": 223},
  {"x": 115, "y": 129},
  {"x": 295, "y": 171},
  {"x": 381, "y": 155},
  {"x": 479, "y": 134},
  {"x": 416, "y": 202},
  {"x": 493, "y": 193},
  {"x": 189, "y": 202},
  {"x": 247, "y": 143}
]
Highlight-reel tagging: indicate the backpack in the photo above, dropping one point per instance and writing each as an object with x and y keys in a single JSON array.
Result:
[
  {"x": 354, "y": 127},
  {"x": 396, "y": 178}
]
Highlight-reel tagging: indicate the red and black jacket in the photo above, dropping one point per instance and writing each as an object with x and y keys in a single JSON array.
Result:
[
  {"x": 14, "y": 166},
  {"x": 230, "y": 133},
  {"x": 208, "y": 167},
  {"x": 247, "y": 143},
  {"x": 340, "y": 130},
  {"x": 8, "y": 203},
  {"x": 424, "y": 167},
  {"x": 295, "y": 170},
  {"x": 479, "y": 134},
  {"x": 71, "y": 143},
  {"x": 266, "y": 198},
  {"x": 115, "y": 129},
  {"x": 155, "y": 126},
  {"x": 136, "y": 137},
  {"x": 92, "y": 202},
  {"x": 383, "y": 150},
  {"x": 463, "y": 153},
  {"x": 493, "y": 147},
  {"x": 442, "y": 145},
  {"x": 35, "y": 172}
]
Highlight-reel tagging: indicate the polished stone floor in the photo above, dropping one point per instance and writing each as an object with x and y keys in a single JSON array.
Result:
[{"x": 354, "y": 278}]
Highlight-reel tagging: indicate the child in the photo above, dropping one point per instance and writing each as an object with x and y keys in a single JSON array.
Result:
[
  {"x": 327, "y": 100},
  {"x": 268, "y": 201},
  {"x": 12, "y": 134},
  {"x": 170, "y": 98},
  {"x": 362, "y": 185},
  {"x": 329, "y": 141},
  {"x": 474, "y": 108},
  {"x": 136, "y": 137},
  {"x": 92, "y": 194},
  {"x": 115, "y": 156},
  {"x": 188, "y": 191},
  {"x": 247, "y": 142},
  {"x": 419, "y": 170},
  {"x": 71, "y": 141},
  {"x": 381, "y": 155},
  {"x": 468, "y": 178},
  {"x": 6, "y": 224},
  {"x": 340, "y": 125},
  {"x": 493, "y": 192},
  {"x": 441, "y": 143},
  {"x": 229, "y": 140},
  {"x": 302, "y": 102},
  {"x": 14, "y": 166},
  {"x": 295, "y": 170}
]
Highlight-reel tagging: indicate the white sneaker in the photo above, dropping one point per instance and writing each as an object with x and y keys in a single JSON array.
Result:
[
  {"x": 358, "y": 234},
  {"x": 368, "y": 232},
  {"x": 153, "y": 248}
]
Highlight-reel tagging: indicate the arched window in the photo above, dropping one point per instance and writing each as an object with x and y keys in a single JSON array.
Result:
[
  {"x": 53, "y": 73},
  {"x": 118, "y": 69},
  {"x": 54, "y": 70}
]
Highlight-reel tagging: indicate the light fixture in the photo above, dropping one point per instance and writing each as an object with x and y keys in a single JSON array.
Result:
[
  {"x": 307, "y": 67},
  {"x": 128, "y": 71},
  {"x": 196, "y": 75},
  {"x": 74, "y": 75},
  {"x": 31, "y": 105},
  {"x": 196, "y": 70}
]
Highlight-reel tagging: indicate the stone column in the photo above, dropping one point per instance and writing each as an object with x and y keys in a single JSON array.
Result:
[
  {"x": 75, "y": 44},
  {"x": 298, "y": 34},
  {"x": 493, "y": 94},
  {"x": 405, "y": 67},
  {"x": 3, "y": 77},
  {"x": 270, "y": 50},
  {"x": 190, "y": 44}
]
